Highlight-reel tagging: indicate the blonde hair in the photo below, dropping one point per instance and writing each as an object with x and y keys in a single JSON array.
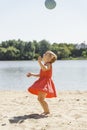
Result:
[{"x": 54, "y": 56}]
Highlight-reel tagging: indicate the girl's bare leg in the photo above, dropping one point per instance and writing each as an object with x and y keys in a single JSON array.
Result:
[{"x": 41, "y": 99}]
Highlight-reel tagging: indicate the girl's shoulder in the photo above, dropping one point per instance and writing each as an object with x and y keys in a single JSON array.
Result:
[{"x": 49, "y": 65}]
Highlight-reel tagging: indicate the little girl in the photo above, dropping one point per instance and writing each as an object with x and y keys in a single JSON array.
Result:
[{"x": 44, "y": 86}]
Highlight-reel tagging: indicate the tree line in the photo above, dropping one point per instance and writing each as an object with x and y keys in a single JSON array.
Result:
[{"x": 21, "y": 50}]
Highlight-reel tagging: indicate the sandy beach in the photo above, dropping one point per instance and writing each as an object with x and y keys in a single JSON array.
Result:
[{"x": 20, "y": 110}]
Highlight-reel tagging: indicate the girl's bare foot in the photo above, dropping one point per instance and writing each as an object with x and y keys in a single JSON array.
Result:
[{"x": 45, "y": 113}]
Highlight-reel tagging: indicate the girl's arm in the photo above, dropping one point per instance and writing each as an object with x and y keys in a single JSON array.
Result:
[
  {"x": 43, "y": 67},
  {"x": 32, "y": 74}
]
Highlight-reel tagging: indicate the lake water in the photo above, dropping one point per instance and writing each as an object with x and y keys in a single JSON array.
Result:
[{"x": 67, "y": 75}]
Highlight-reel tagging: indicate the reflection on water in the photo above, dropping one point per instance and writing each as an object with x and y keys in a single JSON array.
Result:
[{"x": 67, "y": 75}]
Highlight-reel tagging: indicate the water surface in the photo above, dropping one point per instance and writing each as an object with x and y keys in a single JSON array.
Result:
[{"x": 67, "y": 75}]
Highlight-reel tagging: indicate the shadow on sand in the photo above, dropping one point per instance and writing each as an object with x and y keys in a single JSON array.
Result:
[{"x": 20, "y": 119}]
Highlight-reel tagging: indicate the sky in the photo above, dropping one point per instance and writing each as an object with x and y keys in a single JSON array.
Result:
[{"x": 30, "y": 20}]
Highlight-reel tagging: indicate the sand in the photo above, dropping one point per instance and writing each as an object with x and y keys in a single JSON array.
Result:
[{"x": 20, "y": 110}]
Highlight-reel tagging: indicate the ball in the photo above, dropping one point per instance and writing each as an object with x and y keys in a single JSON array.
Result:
[{"x": 50, "y": 4}]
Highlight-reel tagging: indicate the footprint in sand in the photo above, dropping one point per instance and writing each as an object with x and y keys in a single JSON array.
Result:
[{"x": 77, "y": 116}]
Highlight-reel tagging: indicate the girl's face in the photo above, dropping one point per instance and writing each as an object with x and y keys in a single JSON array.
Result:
[{"x": 47, "y": 57}]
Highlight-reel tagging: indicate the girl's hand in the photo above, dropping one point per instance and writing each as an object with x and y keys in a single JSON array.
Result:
[
  {"x": 32, "y": 74},
  {"x": 29, "y": 74},
  {"x": 39, "y": 59}
]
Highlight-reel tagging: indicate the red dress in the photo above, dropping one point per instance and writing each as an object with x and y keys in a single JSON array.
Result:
[{"x": 44, "y": 84}]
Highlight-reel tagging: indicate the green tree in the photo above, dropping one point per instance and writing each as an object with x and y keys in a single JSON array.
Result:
[
  {"x": 12, "y": 53},
  {"x": 4, "y": 44},
  {"x": 84, "y": 54},
  {"x": 29, "y": 51},
  {"x": 55, "y": 49},
  {"x": 44, "y": 46},
  {"x": 2, "y": 53},
  {"x": 62, "y": 50}
]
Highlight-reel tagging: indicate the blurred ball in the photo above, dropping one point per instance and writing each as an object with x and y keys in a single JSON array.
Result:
[{"x": 50, "y": 4}]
